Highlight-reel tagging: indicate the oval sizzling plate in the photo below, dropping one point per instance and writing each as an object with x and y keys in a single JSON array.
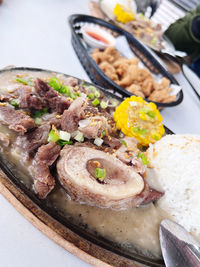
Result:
[
  {"x": 76, "y": 21},
  {"x": 94, "y": 249}
]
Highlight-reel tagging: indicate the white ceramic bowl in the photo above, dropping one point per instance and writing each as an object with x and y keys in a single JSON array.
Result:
[{"x": 97, "y": 32}]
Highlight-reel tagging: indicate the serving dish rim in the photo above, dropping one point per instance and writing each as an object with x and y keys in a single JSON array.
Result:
[{"x": 95, "y": 240}]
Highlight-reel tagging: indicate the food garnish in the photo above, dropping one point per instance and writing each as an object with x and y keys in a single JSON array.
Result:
[
  {"x": 137, "y": 118},
  {"x": 123, "y": 14},
  {"x": 24, "y": 81},
  {"x": 100, "y": 174}
]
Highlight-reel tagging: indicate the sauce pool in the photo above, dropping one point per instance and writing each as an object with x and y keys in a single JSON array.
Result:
[{"x": 98, "y": 37}]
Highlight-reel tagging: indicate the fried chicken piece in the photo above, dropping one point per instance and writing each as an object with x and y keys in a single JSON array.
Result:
[
  {"x": 160, "y": 95},
  {"x": 113, "y": 54},
  {"x": 165, "y": 82},
  {"x": 148, "y": 86},
  {"x": 109, "y": 70},
  {"x": 136, "y": 90}
]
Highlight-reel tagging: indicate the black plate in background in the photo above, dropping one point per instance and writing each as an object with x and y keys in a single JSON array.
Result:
[
  {"x": 97, "y": 75},
  {"x": 98, "y": 240}
]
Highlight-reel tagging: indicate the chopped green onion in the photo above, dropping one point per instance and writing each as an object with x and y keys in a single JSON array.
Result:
[
  {"x": 97, "y": 94},
  {"x": 136, "y": 129},
  {"x": 78, "y": 94},
  {"x": 124, "y": 142},
  {"x": 92, "y": 88},
  {"x": 95, "y": 102},
  {"x": 14, "y": 103},
  {"x": 100, "y": 173},
  {"x": 143, "y": 131},
  {"x": 91, "y": 96},
  {"x": 53, "y": 136},
  {"x": 151, "y": 114},
  {"x": 79, "y": 137},
  {"x": 39, "y": 113},
  {"x": 55, "y": 83},
  {"x": 114, "y": 103},
  {"x": 38, "y": 121},
  {"x": 63, "y": 142},
  {"x": 103, "y": 133},
  {"x": 143, "y": 158},
  {"x": 103, "y": 104},
  {"x": 25, "y": 82},
  {"x": 65, "y": 135},
  {"x": 145, "y": 110},
  {"x": 98, "y": 141},
  {"x": 154, "y": 40},
  {"x": 156, "y": 137}
]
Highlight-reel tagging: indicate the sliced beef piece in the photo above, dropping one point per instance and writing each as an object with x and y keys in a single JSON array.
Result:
[
  {"x": 44, "y": 158},
  {"x": 51, "y": 97},
  {"x": 94, "y": 126},
  {"x": 32, "y": 140},
  {"x": 71, "y": 117},
  {"x": 47, "y": 154},
  {"x": 4, "y": 140},
  {"x": 16, "y": 120},
  {"x": 152, "y": 196},
  {"x": 51, "y": 119},
  {"x": 112, "y": 142},
  {"x": 28, "y": 99},
  {"x": 41, "y": 87}
]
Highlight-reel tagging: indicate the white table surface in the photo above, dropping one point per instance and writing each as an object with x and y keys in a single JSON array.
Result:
[{"x": 36, "y": 34}]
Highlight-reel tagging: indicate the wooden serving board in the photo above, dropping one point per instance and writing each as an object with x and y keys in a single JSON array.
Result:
[{"x": 80, "y": 247}]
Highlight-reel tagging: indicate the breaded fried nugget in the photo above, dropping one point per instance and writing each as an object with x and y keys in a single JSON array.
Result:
[
  {"x": 111, "y": 54},
  {"x": 136, "y": 90},
  {"x": 148, "y": 86},
  {"x": 109, "y": 70}
]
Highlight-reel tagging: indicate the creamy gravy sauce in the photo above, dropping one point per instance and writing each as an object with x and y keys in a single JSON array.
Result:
[{"x": 136, "y": 228}]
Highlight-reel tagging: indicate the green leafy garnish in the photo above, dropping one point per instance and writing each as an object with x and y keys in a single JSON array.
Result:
[
  {"x": 53, "y": 136},
  {"x": 95, "y": 102},
  {"x": 143, "y": 158},
  {"x": 124, "y": 142},
  {"x": 25, "y": 82},
  {"x": 63, "y": 142},
  {"x": 55, "y": 83},
  {"x": 39, "y": 113},
  {"x": 14, "y": 103},
  {"x": 100, "y": 173}
]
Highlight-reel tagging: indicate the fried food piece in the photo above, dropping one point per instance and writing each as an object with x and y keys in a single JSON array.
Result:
[
  {"x": 136, "y": 90},
  {"x": 109, "y": 70},
  {"x": 148, "y": 86}
]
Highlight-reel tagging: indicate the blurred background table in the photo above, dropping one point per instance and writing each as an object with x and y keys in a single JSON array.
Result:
[{"x": 36, "y": 34}]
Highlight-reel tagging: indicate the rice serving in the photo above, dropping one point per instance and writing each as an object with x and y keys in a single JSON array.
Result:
[{"x": 176, "y": 171}]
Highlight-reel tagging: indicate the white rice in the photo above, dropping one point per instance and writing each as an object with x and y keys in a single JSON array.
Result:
[{"x": 176, "y": 162}]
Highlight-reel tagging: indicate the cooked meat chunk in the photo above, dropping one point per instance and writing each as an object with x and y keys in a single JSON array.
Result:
[
  {"x": 51, "y": 97},
  {"x": 93, "y": 126},
  {"x": 71, "y": 117},
  {"x": 16, "y": 120},
  {"x": 52, "y": 119},
  {"x": 32, "y": 140},
  {"x": 44, "y": 158},
  {"x": 112, "y": 142},
  {"x": 28, "y": 99},
  {"x": 121, "y": 188},
  {"x": 152, "y": 196},
  {"x": 47, "y": 154}
]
